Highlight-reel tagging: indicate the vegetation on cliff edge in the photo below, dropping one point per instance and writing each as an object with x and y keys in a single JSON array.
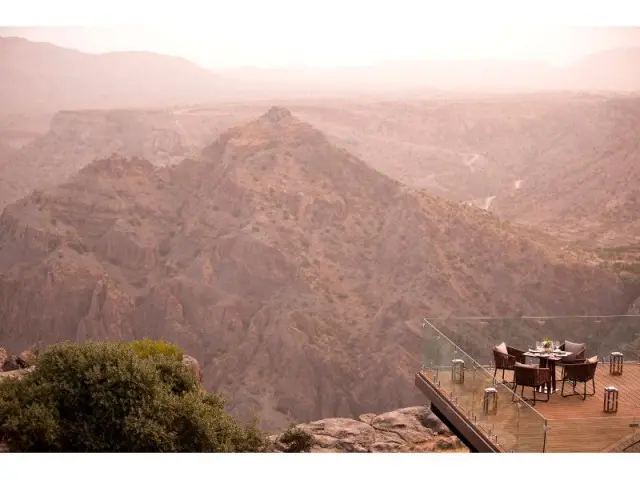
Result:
[{"x": 105, "y": 397}]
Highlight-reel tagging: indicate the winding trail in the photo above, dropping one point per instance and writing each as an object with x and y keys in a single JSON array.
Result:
[
  {"x": 487, "y": 202},
  {"x": 472, "y": 159}
]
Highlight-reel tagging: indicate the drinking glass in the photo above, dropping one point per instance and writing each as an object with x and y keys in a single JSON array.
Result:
[
  {"x": 556, "y": 345},
  {"x": 538, "y": 345}
]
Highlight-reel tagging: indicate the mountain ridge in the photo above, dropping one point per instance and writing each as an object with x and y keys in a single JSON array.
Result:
[{"x": 44, "y": 77}]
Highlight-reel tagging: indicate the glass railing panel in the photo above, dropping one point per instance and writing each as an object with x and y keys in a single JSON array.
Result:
[
  {"x": 505, "y": 418},
  {"x": 515, "y": 425},
  {"x": 601, "y": 334}
]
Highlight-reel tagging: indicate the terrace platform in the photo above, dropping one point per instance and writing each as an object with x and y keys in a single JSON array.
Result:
[{"x": 564, "y": 424}]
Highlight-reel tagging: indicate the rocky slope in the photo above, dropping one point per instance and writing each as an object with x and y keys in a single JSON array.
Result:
[
  {"x": 564, "y": 162},
  {"x": 412, "y": 429},
  {"x": 76, "y": 138},
  {"x": 295, "y": 272}
]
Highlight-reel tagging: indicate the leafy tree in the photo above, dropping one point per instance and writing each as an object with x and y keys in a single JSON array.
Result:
[
  {"x": 152, "y": 348},
  {"x": 103, "y": 397}
]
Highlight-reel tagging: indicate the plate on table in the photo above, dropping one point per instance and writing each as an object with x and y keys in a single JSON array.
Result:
[{"x": 536, "y": 350}]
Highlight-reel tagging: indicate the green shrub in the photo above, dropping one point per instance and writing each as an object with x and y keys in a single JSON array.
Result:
[
  {"x": 103, "y": 397},
  {"x": 153, "y": 348},
  {"x": 296, "y": 440}
]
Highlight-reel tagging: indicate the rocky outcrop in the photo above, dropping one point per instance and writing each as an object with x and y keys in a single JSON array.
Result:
[
  {"x": 413, "y": 429},
  {"x": 193, "y": 365},
  {"x": 12, "y": 363},
  {"x": 27, "y": 358}
]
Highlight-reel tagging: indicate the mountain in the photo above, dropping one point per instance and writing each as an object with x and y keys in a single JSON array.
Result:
[
  {"x": 450, "y": 75},
  {"x": 38, "y": 77},
  {"x": 41, "y": 77},
  {"x": 572, "y": 169},
  {"x": 616, "y": 69},
  {"x": 76, "y": 138},
  {"x": 296, "y": 273},
  {"x": 566, "y": 163}
]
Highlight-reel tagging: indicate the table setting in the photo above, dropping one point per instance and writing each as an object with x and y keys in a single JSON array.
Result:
[
  {"x": 545, "y": 349},
  {"x": 549, "y": 352}
]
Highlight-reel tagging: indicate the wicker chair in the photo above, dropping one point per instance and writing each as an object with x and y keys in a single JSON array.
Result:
[
  {"x": 531, "y": 376},
  {"x": 584, "y": 372},
  {"x": 577, "y": 354},
  {"x": 506, "y": 361}
]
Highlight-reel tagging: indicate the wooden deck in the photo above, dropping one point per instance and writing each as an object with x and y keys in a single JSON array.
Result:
[
  {"x": 563, "y": 408},
  {"x": 576, "y": 425},
  {"x": 573, "y": 424}
]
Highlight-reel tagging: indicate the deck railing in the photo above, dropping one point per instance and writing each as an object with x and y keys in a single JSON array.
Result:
[
  {"x": 509, "y": 422},
  {"x": 515, "y": 424}
]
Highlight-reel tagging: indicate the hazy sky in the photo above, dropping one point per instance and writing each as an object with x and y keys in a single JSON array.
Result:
[{"x": 329, "y": 33}]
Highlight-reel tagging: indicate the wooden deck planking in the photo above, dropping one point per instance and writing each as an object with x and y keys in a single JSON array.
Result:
[
  {"x": 561, "y": 408},
  {"x": 573, "y": 425}
]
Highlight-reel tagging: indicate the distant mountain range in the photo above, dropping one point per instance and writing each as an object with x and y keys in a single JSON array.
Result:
[{"x": 44, "y": 77}]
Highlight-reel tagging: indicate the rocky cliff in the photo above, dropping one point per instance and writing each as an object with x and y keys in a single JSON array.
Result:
[{"x": 412, "y": 429}]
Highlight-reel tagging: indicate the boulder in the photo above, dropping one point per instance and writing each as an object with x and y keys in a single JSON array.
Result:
[
  {"x": 27, "y": 358},
  {"x": 405, "y": 423},
  {"x": 10, "y": 364}
]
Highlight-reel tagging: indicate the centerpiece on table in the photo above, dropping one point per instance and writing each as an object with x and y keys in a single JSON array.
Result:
[{"x": 547, "y": 345}]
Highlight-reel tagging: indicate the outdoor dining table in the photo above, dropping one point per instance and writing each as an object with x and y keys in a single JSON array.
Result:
[{"x": 548, "y": 360}]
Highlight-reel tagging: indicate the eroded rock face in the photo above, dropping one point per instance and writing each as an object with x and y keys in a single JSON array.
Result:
[{"x": 413, "y": 429}]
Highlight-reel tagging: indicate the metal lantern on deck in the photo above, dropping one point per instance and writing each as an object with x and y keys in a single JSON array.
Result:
[
  {"x": 457, "y": 371},
  {"x": 610, "y": 399},
  {"x": 616, "y": 363},
  {"x": 490, "y": 403}
]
